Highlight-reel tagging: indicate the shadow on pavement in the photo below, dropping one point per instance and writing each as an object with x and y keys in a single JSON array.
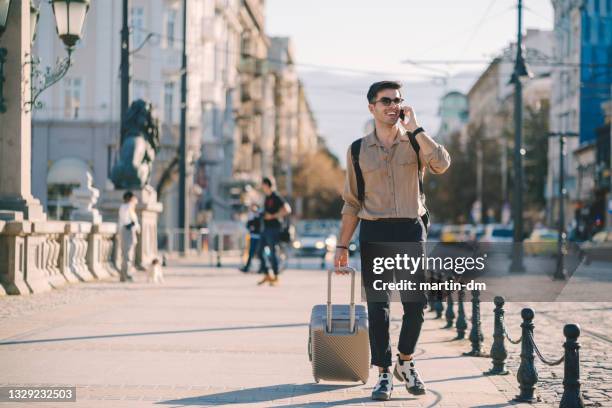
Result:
[
  {"x": 155, "y": 333},
  {"x": 264, "y": 394}
]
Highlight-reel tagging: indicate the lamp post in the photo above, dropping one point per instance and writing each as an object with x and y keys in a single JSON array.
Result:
[
  {"x": 69, "y": 21},
  {"x": 520, "y": 72},
  {"x": 4, "y": 9},
  {"x": 560, "y": 271},
  {"x": 125, "y": 68},
  {"x": 183, "y": 210}
]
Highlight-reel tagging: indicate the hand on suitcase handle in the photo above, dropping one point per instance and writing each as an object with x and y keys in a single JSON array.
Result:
[{"x": 344, "y": 270}]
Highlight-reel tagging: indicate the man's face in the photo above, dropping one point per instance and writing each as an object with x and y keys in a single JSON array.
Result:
[
  {"x": 266, "y": 188},
  {"x": 386, "y": 114},
  {"x": 134, "y": 201}
]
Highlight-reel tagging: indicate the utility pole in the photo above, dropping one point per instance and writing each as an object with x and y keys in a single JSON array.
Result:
[
  {"x": 183, "y": 210},
  {"x": 125, "y": 69},
  {"x": 561, "y": 272},
  {"x": 479, "y": 181},
  {"x": 520, "y": 71}
]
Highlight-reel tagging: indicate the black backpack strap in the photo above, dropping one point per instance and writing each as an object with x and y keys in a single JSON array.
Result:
[
  {"x": 415, "y": 145},
  {"x": 417, "y": 148},
  {"x": 355, "y": 150}
]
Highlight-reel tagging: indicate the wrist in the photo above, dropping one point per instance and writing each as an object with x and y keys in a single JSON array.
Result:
[
  {"x": 342, "y": 247},
  {"x": 411, "y": 127}
]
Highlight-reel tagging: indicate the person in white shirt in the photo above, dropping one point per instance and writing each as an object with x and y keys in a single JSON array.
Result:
[{"x": 128, "y": 227}]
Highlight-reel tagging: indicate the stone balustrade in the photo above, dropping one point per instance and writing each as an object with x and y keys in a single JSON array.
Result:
[{"x": 36, "y": 256}]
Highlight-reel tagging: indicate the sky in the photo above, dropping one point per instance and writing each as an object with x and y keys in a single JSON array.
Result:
[{"x": 342, "y": 46}]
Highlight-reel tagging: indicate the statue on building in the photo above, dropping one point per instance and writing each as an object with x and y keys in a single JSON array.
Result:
[{"x": 138, "y": 148}]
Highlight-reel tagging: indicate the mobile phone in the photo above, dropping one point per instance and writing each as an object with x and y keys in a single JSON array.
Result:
[{"x": 401, "y": 113}]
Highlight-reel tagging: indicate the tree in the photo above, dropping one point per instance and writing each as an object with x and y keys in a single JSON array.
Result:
[{"x": 318, "y": 181}]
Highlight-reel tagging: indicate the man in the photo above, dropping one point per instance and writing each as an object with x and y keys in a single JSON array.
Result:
[
  {"x": 128, "y": 227},
  {"x": 275, "y": 209},
  {"x": 254, "y": 227},
  {"x": 391, "y": 210}
]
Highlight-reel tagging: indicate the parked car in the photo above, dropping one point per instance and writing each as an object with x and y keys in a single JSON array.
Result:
[
  {"x": 497, "y": 233},
  {"x": 456, "y": 233},
  {"x": 314, "y": 244},
  {"x": 542, "y": 241},
  {"x": 598, "y": 248}
]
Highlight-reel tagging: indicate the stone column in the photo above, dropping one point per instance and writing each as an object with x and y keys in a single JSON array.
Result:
[{"x": 15, "y": 131}]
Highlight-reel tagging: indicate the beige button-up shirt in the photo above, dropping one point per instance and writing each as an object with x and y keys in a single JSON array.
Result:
[{"x": 391, "y": 177}]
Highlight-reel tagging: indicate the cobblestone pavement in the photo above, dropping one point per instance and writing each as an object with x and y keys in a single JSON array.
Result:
[{"x": 595, "y": 320}]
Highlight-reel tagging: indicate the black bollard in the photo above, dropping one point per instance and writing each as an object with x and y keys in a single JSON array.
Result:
[
  {"x": 431, "y": 294},
  {"x": 476, "y": 336},
  {"x": 461, "y": 323},
  {"x": 438, "y": 307},
  {"x": 450, "y": 313},
  {"x": 498, "y": 348},
  {"x": 572, "y": 397},
  {"x": 527, "y": 374}
]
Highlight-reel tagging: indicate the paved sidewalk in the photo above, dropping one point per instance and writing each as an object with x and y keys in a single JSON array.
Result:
[{"x": 210, "y": 337}]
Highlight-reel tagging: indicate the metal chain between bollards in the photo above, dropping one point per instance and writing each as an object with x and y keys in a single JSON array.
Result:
[
  {"x": 540, "y": 356},
  {"x": 508, "y": 336}
]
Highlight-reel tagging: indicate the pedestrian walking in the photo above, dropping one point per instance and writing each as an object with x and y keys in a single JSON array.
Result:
[
  {"x": 383, "y": 193},
  {"x": 254, "y": 226},
  {"x": 275, "y": 209},
  {"x": 129, "y": 228}
]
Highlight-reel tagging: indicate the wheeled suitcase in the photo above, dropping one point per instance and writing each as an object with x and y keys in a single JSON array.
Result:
[{"x": 338, "y": 342}]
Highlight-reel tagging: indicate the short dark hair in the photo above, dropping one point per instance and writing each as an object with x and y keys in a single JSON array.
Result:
[
  {"x": 269, "y": 181},
  {"x": 376, "y": 87},
  {"x": 127, "y": 196}
]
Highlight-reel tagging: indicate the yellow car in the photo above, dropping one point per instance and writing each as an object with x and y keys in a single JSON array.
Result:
[{"x": 542, "y": 241}]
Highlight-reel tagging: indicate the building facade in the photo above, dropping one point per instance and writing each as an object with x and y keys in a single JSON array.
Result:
[{"x": 581, "y": 78}]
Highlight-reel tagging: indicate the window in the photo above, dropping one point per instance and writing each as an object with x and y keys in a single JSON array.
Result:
[
  {"x": 72, "y": 97},
  {"x": 170, "y": 28},
  {"x": 168, "y": 102},
  {"x": 137, "y": 25}
]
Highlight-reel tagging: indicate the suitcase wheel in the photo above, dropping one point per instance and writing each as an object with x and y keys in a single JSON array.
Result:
[{"x": 310, "y": 348}]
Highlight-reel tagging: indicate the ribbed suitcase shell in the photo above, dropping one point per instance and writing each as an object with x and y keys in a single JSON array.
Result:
[{"x": 339, "y": 355}]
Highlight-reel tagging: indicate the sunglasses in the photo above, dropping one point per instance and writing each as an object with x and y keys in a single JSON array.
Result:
[{"x": 388, "y": 101}]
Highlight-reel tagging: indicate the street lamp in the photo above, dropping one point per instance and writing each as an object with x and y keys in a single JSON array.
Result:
[
  {"x": 520, "y": 72},
  {"x": 560, "y": 271},
  {"x": 4, "y": 9},
  {"x": 69, "y": 22}
]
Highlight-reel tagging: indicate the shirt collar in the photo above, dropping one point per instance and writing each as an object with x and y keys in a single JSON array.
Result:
[{"x": 372, "y": 139}]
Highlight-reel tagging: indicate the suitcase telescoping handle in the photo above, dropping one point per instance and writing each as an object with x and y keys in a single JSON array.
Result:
[{"x": 352, "y": 304}]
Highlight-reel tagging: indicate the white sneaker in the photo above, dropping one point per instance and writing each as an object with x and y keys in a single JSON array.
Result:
[
  {"x": 384, "y": 387},
  {"x": 406, "y": 372}
]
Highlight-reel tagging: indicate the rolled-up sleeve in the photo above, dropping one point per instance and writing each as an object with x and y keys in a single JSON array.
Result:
[
  {"x": 433, "y": 155},
  {"x": 349, "y": 195}
]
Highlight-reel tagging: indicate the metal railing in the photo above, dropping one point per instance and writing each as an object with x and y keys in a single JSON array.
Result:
[{"x": 213, "y": 243}]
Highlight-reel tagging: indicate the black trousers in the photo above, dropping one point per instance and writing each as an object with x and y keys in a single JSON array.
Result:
[{"x": 378, "y": 312}]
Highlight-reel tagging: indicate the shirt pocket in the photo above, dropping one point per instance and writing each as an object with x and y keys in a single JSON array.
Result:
[{"x": 372, "y": 176}]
